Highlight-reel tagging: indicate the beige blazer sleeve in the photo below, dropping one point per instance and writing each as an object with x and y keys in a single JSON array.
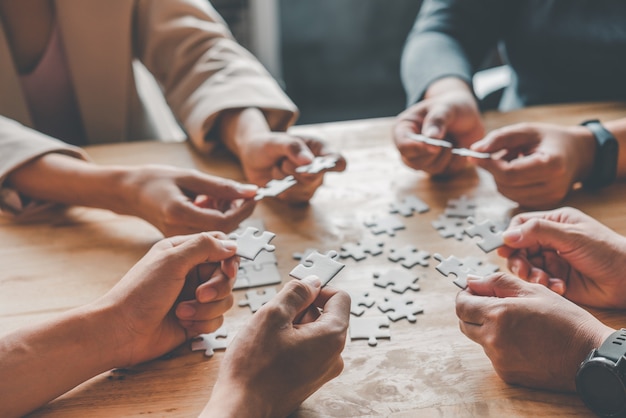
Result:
[
  {"x": 19, "y": 145},
  {"x": 187, "y": 47}
]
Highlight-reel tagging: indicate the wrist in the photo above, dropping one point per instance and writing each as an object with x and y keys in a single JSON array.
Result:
[
  {"x": 585, "y": 151},
  {"x": 449, "y": 85},
  {"x": 237, "y": 127},
  {"x": 232, "y": 401}
]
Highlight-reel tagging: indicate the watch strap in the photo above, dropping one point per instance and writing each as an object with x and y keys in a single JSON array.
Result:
[
  {"x": 604, "y": 168},
  {"x": 614, "y": 347}
]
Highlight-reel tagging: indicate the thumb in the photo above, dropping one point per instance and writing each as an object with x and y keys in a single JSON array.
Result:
[
  {"x": 200, "y": 248},
  {"x": 296, "y": 296},
  {"x": 500, "y": 285},
  {"x": 539, "y": 232},
  {"x": 436, "y": 122}
]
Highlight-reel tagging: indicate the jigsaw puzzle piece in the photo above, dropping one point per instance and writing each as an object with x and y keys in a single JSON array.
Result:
[
  {"x": 321, "y": 265},
  {"x": 211, "y": 342},
  {"x": 321, "y": 163},
  {"x": 386, "y": 224},
  {"x": 410, "y": 256},
  {"x": 359, "y": 300},
  {"x": 399, "y": 280},
  {"x": 453, "y": 265},
  {"x": 256, "y": 275},
  {"x": 358, "y": 251},
  {"x": 275, "y": 187},
  {"x": 399, "y": 307},
  {"x": 462, "y": 207},
  {"x": 257, "y": 298},
  {"x": 369, "y": 328},
  {"x": 491, "y": 237},
  {"x": 478, "y": 266},
  {"x": 252, "y": 241},
  {"x": 409, "y": 205},
  {"x": 450, "y": 227}
]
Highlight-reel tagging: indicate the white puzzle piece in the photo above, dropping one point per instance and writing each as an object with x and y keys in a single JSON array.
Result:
[
  {"x": 410, "y": 256},
  {"x": 369, "y": 328},
  {"x": 399, "y": 280},
  {"x": 257, "y": 298},
  {"x": 462, "y": 207},
  {"x": 321, "y": 265},
  {"x": 252, "y": 241},
  {"x": 325, "y": 162},
  {"x": 386, "y": 224},
  {"x": 210, "y": 342},
  {"x": 450, "y": 227},
  {"x": 487, "y": 230},
  {"x": 453, "y": 265},
  {"x": 359, "y": 300},
  {"x": 399, "y": 307},
  {"x": 409, "y": 205},
  {"x": 357, "y": 251},
  {"x": 275, "y": 187}
]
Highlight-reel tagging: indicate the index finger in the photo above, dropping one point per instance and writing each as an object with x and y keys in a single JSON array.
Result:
[{"x": 523, "y": 171}]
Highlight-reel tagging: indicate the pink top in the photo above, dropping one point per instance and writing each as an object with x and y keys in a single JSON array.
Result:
[{"x": 50, "y": 94}]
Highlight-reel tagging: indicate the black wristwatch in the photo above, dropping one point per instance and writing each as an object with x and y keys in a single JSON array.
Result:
[
  {"x": 604, "y": 168},
  {"x": 601, "y": 377}
]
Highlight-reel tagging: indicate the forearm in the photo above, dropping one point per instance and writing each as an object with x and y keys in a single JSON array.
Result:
[
  {"x": 237, "y": 126},
  {"x": 41, "y": 362},
  {"x": 62, "y": 179}
]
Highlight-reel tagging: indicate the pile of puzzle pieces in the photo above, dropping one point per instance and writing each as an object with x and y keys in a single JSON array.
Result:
[{"x": 259, "y": 268}]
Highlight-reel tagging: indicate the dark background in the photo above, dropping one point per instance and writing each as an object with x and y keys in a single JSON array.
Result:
[{"x": 340, "y": 58}]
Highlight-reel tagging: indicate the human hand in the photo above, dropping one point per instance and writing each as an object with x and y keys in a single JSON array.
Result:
[
  {"x": 275, "y": 155},
  {"x": 569, "y": 252},
  {"x": 276, "y": 362},
  {"x": 178, "y": 290},
  {"x": 533, "y": 337},
  {"x": 541, "y": 161},
  {"x": 180, "y": 201},
  {"x": 448, "y": 112}
]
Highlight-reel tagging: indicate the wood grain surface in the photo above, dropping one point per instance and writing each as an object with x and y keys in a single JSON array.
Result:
[{"x": 428, "y": 369}]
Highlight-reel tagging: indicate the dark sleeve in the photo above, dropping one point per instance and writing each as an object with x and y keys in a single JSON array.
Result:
[{"x": 450, "y": 38}]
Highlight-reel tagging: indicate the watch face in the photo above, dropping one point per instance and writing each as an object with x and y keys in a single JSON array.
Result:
[{"x": 601, "y": 389}]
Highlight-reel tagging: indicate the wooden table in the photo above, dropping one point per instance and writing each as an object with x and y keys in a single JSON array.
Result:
[{"x": 427, "y": 369}]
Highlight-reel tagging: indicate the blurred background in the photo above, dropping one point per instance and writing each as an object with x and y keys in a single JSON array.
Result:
[{"x": 336, "y": 59}]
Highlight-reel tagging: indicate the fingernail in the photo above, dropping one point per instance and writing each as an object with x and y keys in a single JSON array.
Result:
[
  {"x": 313, "y": 281},
  {"x": 229, "y": 245},
  {"x": 185, "y": 310},
  {"x": 512, "y": 236},
  {"x": 243, "y": 188},
  {"x": 474, "y": 278},
  {"x": 207, "y": 294},
  {"x": 432, "y": 131}
]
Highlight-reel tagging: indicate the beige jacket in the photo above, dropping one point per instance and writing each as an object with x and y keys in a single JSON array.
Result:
[{"x": 186, "y": 46}]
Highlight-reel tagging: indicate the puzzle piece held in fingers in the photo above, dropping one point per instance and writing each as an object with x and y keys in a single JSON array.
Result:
[
  {"x": 321, "y": 265},
  {"x": 252, "y": 241},
  {"x": 321, "y": 163},
  {"x": 275, "y": 187},
  {"x": 453, "y": 265},
  {"x": 487, "y": 230}
]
